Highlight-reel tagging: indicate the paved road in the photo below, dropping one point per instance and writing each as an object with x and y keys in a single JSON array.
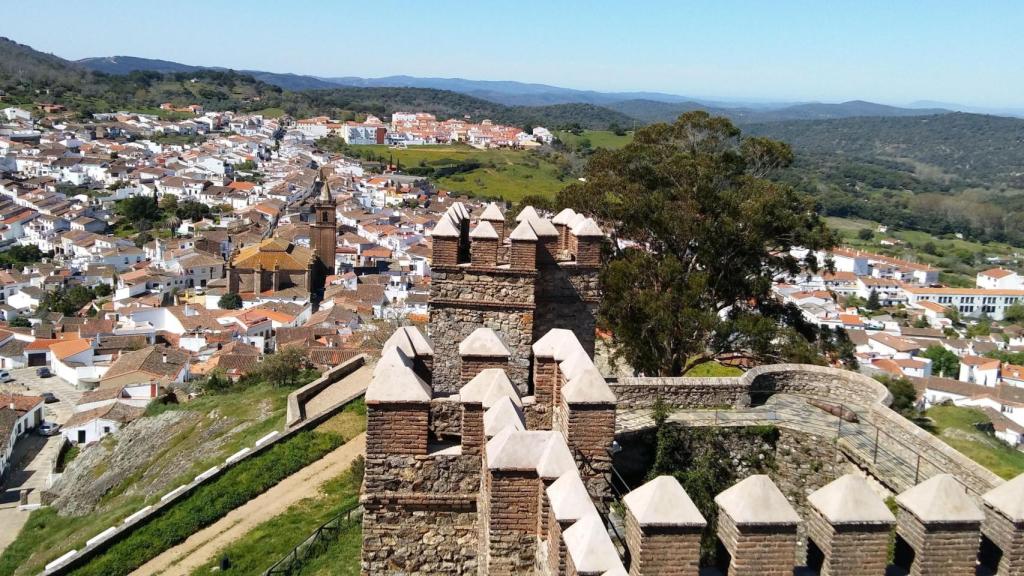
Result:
[
  {"x": 204, "y": 545},
  {"x": 33, "y": 453}
]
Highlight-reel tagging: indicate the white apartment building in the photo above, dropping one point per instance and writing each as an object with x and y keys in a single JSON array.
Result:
[{"x": 971, "y": 302}]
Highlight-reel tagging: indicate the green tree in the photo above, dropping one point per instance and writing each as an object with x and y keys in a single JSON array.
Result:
[
  {"x": 904, "y": 396},
  {"x": 865, "y": 234},
  {"x": 873, "y": 303},
  {"x": 944, "y": 362},
  {"x": 192, "y": 210},
  {"x": 138, "y": 208},
  {"x": 1014, "y": 313},
  {"x": 283, "y": 368},
  {"x": 708, "y": 231},
  {"x": 169, "y": 203},
  {"x": 230, "y": 301},
  {"x": 20, "y": 322}
]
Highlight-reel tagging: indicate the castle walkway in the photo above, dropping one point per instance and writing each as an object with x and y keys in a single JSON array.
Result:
[{"x": 897, "y": 464}]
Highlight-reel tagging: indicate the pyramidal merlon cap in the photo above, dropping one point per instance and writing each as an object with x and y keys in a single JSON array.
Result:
[
  {"x": 445, "y": 228},
  {"x": 850, "y": 500},
  {"x": 523, "y": 232},
  {"x": 569, "y": 498},
  {"x": 940, "y": 499},
  {"x": 563, "y": 217},
  {"x": 503, "y": 414},
  {"x": 483, "y": 342},
  {"x": 527, "y": 214},
  {"x": 1008, "y": 498},
  {"x": 492, "y": 213},
  {"x": 489, "y": 386},
  {"x": 663, "y": 502},
  {"x": 756, "y": 500},
  {"x": 484, "y": 231},
  {"x": 588, "y": 544}
]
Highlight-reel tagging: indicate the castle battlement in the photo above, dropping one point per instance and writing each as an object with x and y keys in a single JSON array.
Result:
[{"x": 489, "y": 444}]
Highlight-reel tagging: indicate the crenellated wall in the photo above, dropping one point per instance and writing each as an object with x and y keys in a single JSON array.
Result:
[{"x": 520, "y": 284}]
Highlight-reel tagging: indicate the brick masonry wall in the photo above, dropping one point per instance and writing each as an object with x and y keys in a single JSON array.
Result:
[
  {"x": 802, "y": 464},
  {"x": 473, "y": 439},
  {"x": 757, "y": 551},
  {"x": 1010, "y": 540},
  {"x": 545, "y": 385},
  {"x": 590, "y": 429},
  {"x": 939, "y": 549},
  {"x": 473, "y": 365},
  {"x": 662, "y": 551},
  {"x": 859, "y": 550},
  {"x": 588, "y": 252},
  {"x": 396, "y": 429},
  {"x": 512, "y": 521},
  {"x": 444, "y": 252},
  {"x": 484, "y": 252},
  {"x": 523, "y": 255}
]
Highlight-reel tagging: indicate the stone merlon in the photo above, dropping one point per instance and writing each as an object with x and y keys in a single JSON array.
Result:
[
  {"x": 569, "y": 498},
  {"x": 589, "y": 546},
  {"x": 940, "y": 499},
  {"x": 484, "y": 231},
  {"x": 663, "y": 502},
  {"x": 756, "y": 501},
  {"x": 483, "y": 342},
  {"x": 488, "y": 387},
  {"x": 1008, "y": 499},
  {"x": 849, "y": 500}
]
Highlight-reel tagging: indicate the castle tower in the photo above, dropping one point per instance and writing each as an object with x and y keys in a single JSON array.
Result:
[{"x": 323, "y": 234}]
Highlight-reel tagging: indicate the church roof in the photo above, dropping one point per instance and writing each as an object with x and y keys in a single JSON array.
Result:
[{"x": 274, "y": 253}]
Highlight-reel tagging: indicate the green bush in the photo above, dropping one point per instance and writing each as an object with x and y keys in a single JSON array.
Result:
[{"x": 211, "y": 502}]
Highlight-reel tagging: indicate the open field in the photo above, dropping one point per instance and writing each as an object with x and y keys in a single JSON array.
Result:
[
  {"x": 596, "y": 138},
  {"x": 492, "y": 173},
  {"x": 956, "y": 426}
]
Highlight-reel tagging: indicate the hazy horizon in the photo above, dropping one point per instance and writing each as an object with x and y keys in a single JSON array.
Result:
[{"x": 732, "y": 51}]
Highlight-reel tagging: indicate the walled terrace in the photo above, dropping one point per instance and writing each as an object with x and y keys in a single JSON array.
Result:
[{"x": 491, "y": 444}]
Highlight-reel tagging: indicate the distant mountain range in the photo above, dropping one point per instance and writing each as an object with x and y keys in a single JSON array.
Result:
[{"x": 642, "y": 106}]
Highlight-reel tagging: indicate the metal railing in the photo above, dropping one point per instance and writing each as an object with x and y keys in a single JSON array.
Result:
[
  {"x": 614, "y": 500},
  {"x": 316, "y": 543}
]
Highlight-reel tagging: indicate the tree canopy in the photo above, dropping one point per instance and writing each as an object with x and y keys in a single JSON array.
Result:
[
  {"x": 698, "y": 233},
  {"x": 944, "y": 362}
]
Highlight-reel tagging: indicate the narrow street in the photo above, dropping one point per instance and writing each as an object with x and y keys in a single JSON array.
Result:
[{"x": 34, "y": 454}]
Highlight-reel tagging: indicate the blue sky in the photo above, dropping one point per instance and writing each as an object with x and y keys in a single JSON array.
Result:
[{"x": 895, "y": 51}]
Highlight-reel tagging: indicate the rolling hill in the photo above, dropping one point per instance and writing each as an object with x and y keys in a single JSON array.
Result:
[{"x": 642, "y": 106}]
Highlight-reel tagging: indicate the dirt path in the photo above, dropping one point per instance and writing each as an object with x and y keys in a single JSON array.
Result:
[{"x": 204, "y": 545}]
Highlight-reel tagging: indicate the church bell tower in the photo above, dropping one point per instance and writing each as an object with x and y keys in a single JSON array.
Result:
[{"x": 323, "y": 230}]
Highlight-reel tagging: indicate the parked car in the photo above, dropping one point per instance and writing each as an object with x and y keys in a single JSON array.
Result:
[
  {"x": 5, "y": 376},
  {"x": 49, "y": 428},
  {"x": 43, "y": 372},
  {"x": 49, "y": 398}
]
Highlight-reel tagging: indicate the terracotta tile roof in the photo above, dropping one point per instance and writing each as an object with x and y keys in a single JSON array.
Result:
[
  {"x": 117, "y": 412},
  {"x": 149, "y": 361},
  {"x": 981, "y": 362},
  {"x": 62, "y": 350},
  {"x": 20, "y": 402},
  {"x": 996, "y": 273}
]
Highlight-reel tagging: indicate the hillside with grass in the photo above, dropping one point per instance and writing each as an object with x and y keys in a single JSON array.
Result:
[
  {"x": 107, "y": 481},
  {"x": 964, "y": 429}
]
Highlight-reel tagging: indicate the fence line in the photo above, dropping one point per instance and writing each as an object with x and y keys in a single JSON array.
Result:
[{"x": 316, "y": 543}]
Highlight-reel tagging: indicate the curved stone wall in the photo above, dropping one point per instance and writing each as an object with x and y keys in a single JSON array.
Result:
[{"x": 864, "y": 395}]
